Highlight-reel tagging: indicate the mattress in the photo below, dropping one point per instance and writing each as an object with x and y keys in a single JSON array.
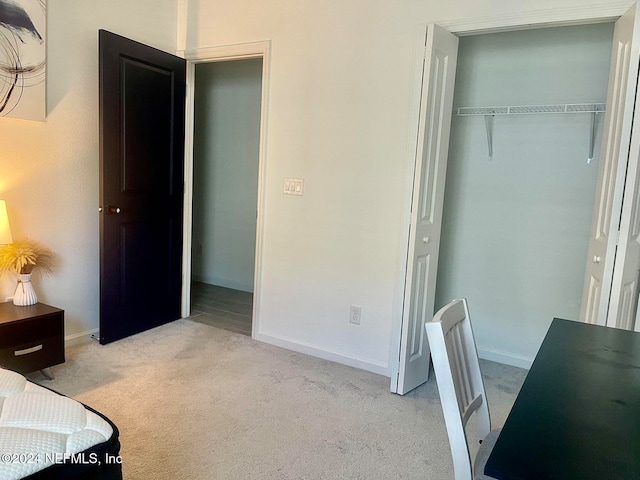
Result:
[{"x": 46, "y": 435}]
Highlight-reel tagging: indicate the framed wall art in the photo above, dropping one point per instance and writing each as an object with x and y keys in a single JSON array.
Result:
[{"x": 23, "y": 59}]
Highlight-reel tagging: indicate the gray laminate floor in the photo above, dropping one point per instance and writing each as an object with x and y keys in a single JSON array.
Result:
[{"x": 222, "y": 307}]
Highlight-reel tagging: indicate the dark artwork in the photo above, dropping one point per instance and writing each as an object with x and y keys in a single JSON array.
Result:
[{"x": 22, "y": 57}]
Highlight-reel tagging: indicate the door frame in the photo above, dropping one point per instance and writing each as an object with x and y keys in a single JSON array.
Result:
[
  {"x": 534, "y": 19},
  {"x": 223, "y": 54}
]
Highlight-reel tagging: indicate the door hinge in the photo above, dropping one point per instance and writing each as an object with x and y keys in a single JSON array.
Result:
[{"x": 618, "y": 237}]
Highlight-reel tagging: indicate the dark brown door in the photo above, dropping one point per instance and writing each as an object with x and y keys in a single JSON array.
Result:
[{"x": 142, "y": 101}]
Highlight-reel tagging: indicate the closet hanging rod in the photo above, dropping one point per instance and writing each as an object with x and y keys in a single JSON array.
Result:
[{"x": 532, "y": 109}]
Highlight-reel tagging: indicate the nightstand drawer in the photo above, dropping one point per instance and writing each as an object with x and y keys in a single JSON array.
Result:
[
  {"x": 32, "y": 337},
  {"x": 24, "y": 331},
  {"x": 33, "y": 355}
]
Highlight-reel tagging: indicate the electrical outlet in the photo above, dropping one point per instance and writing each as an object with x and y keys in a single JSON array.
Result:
[
  {"x": 355, "y": 315},
  {"x": 8, "y": 299}
]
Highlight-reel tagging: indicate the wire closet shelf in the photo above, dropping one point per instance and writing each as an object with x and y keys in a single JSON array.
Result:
[
  {"x": 533, "y": 109},
  {"x": 489, "y": 112}
]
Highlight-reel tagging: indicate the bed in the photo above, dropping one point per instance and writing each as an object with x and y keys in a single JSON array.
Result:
[{"x": 45, "y": 435}]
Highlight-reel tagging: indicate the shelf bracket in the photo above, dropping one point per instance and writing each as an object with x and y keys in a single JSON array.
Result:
[
  {"x": 592, "y": 137},
  {"x": 488, "y": 123}
]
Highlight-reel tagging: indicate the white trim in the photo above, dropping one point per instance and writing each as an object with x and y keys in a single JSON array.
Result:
[
  {"x": 506, "y": 358},
  {"x": 187, "y": 239},
  {"x": 221, "y": 54},
  {"x": 323, "y": 353},
  {"x": 562, "y": 16},
  {"x": 265, "y": 51},
  {"x": 81, "y": 337}
]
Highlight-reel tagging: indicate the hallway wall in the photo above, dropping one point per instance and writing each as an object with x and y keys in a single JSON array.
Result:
[{"x": 226, "y": 149}]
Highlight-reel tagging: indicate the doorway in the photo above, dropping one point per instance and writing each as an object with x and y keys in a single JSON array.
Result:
[
  {"x": 225, "y": 192},
  {"x": 224, "y": 184}
]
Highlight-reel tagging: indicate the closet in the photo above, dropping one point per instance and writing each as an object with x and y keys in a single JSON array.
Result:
[{"x": 520, "y": 190}]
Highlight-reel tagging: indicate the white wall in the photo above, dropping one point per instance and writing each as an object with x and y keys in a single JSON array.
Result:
[
  {"x": 516, "y": 228},
  {"x": 49, "y": 171},
  {"x": 339, "y": 116},
  {"x": 225, "y": 191},
  {"x": 339, "y": 85},
  {"x": 339, "y": 105}
]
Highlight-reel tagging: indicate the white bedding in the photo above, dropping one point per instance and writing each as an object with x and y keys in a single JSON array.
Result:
[{"x": 39, "y": 428}]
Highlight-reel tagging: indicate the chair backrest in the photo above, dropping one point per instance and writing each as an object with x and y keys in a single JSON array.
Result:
[{"x": 455, "y": 362}]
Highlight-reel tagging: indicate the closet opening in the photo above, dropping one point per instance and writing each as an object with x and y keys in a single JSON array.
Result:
[{"x": 520, "y": 190}]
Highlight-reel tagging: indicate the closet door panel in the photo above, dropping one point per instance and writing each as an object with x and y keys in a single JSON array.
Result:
[
  {"x": 601, "y": 257},
  {"x": 436, "y": 105},
  {"x": 624, "y": 288}
]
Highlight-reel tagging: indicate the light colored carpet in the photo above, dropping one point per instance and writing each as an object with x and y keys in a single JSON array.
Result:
[{"x": 196, "y": 402}]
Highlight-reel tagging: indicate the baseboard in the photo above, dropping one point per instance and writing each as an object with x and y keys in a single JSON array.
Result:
[
  {"x": 507, "y": 358},
  {"x": 315, "y": 351},
  {"x": 78, "y": 338},
  {"x": 498, "y": 356}
]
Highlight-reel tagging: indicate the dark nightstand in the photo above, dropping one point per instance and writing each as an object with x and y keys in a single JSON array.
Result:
[{"x": 31, "y": 338}]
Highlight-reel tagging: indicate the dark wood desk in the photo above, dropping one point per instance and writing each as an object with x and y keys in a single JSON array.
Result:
[{"x": 577, "y": 415}]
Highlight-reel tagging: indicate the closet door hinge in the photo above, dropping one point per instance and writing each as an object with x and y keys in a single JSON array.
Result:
[{"x": 618, "y": 237}]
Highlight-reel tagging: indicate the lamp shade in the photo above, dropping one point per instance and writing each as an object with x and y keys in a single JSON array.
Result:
[{"x": 5, "y": 229}]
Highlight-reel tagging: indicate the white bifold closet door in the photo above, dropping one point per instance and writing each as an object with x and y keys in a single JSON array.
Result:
[
  {"x": 436, "y": 105},
  {"x": 610, "y": 293}
]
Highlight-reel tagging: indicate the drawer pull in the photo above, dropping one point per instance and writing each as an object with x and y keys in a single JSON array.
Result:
[{"x": 27, "y": 351}]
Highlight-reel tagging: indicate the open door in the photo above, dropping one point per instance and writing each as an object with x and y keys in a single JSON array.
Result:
[
  {"x": 436, "y": 105},
  {"x": 142, "y": 106},
  {"x": 610, "y": 298}
]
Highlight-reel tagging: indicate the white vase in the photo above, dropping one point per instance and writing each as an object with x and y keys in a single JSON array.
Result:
[{"x": 24, "y": 294}]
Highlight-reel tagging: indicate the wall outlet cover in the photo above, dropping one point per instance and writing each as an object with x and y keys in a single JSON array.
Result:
[{"x": 355, "y": 314}]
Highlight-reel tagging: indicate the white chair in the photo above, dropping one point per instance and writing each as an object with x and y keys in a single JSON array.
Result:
[{"x": 455, "y": 361}]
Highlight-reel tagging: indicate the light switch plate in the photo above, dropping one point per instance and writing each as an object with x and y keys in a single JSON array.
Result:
[{"x": 293, "y": 186}]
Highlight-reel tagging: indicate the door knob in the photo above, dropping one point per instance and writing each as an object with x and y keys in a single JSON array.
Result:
[
  {"x": 596, "y": 259},
  {"x": 113, "y": 210},
  {"x": 426, "y": 239}
]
